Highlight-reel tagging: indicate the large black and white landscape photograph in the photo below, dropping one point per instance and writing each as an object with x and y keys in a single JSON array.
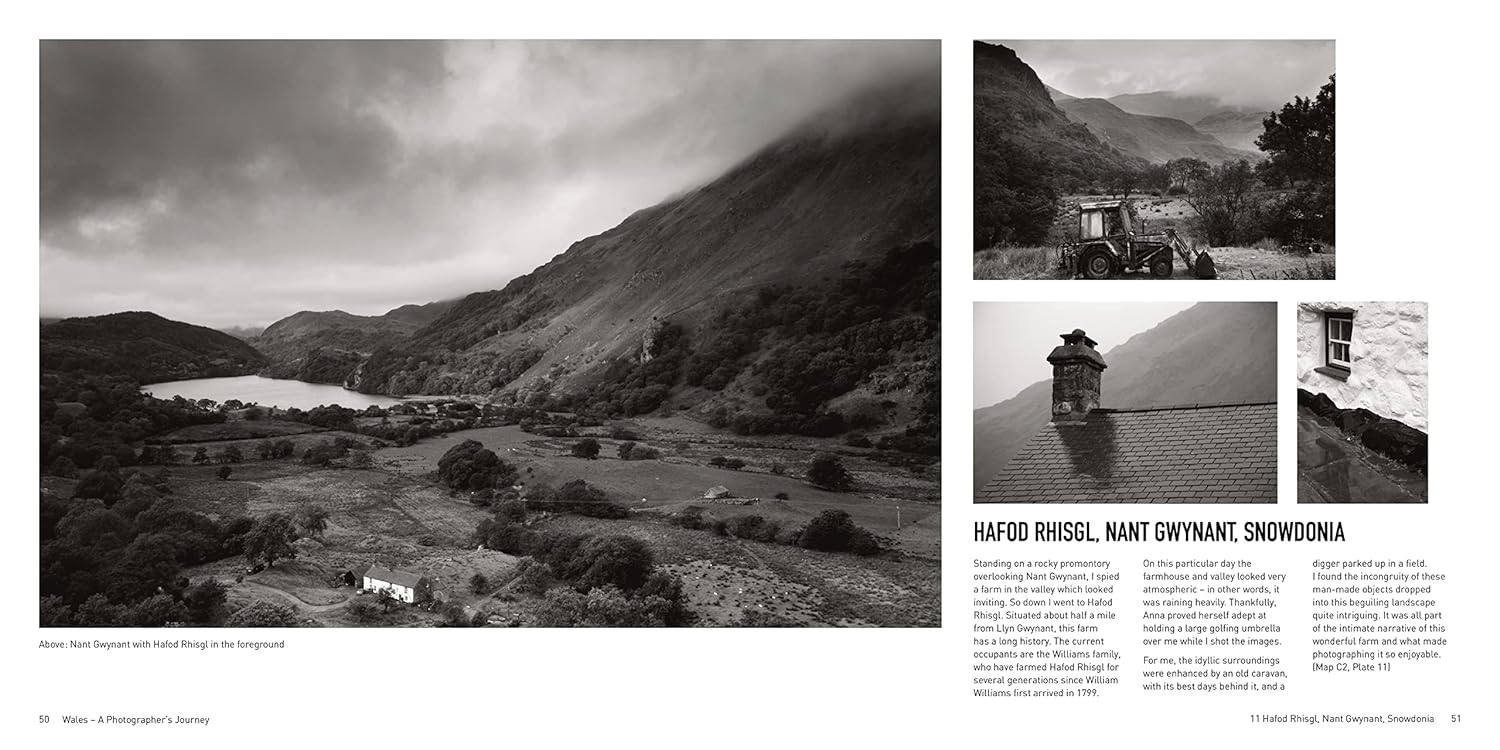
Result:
[
  {"x": 1154, "y": 159},
  {"x": 489, "y": 333}
]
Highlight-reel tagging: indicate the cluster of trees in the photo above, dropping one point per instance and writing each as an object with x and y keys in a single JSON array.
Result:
[
  {"x": 473, "y": 467},
  {"x": 828, "y": 472},
  {"x": 587, "y": 580},
  {"x": 332, "y": 417},
  {"x": 823, "y": 341},
  {"x": 1299, "y": 145},
  {"x": 113, "y": 554},
  {"x": 325, "y": 452},
  {"x": 829, "y": 531},
  {"x": 633, "y": 451},
  {"x": 809, "y": 344},
  {"x": 577, "y": 497},
  {"x": 638, "y": 384},
  {"x": 87, "y": 416}
]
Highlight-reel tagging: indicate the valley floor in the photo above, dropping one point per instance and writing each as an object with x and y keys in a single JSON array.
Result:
[{"x": 397, "y": 515}]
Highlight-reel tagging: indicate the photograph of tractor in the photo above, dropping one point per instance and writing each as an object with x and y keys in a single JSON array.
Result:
[{"x": 1109, "y": 245}]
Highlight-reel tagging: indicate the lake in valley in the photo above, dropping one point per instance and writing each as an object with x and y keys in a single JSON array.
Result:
[{"x": 286, "y": 394}]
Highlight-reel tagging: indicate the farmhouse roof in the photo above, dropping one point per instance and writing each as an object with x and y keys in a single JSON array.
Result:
[
  {"x": 1194, "y": 453},
  {"x": 399, "y": 577},
  {"x": 717, "y": 491}
]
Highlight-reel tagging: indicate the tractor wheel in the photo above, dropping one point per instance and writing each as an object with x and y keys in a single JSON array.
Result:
[
  {"x": 1161, "y": 268},
  {"x": 1097, "y": 265}
]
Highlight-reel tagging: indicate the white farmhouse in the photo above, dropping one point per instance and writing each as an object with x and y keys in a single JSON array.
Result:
[{"x": 403, "y": 585}]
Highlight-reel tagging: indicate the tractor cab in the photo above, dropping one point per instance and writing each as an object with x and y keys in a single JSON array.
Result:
[{"x": 1104, "y": 219}]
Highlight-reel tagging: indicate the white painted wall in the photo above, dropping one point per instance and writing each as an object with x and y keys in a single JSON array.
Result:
[
  {"x": 1388, "y": 370},
  {"x": 404, "y": 593}
]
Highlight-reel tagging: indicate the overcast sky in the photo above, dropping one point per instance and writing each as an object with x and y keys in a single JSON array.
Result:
[
  {"x": 234, "y": 183},
  {"x": 1255, "y": 74},
  {"x": 1012, "y": 339}
]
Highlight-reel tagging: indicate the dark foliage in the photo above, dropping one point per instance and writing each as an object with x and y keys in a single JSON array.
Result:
[
  {"x": 85, "y": 417},
  {"x": 144, "y": 347},
  {"x": 835, "y": 531},
  {"x": 586, "y": 448},
  {"x": 121, "y": 556},
  {"x": 577, "y": 497},
  {"x": 1299, "y": 139},
  {"x": 828, "y": 472},
  {"x": 471, "y": 466}
]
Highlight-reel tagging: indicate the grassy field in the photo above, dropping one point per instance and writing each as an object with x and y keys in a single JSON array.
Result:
[
  {"x": 1246, "y": 263},
  {"x": 1263, "y": 261},
  {"x": 397, "y": 515},
  {"x": 236, "y": 430}
]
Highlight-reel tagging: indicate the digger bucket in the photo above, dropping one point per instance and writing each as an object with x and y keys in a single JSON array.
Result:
[{"x": 1203, "y": 267}]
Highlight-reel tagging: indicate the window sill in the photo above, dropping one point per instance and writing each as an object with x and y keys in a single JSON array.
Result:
[{"x": 1337, "y": 373}]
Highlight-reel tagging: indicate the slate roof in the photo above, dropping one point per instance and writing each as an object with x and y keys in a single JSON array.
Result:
[
  {"x": 398, "y": 577},
  {"x": 1198, "y": 453}
]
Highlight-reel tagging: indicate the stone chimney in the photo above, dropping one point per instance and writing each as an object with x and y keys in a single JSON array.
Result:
[{"x": 1077, "y": 370}]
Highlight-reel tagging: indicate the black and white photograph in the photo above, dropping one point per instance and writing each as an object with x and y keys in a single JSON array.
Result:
[
  {"x": 490, "y": 333},
  {"x": 1154, "y": 159},
  {"x": 1362, "y": 402},
  {"x": 1125, "y": 402}
]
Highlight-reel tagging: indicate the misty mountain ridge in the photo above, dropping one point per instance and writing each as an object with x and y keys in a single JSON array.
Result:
[
  {"x": 1189, "y": 108},
  {"x": 694, "y": 303},
  {"x": 851, "y": 185},
  {"x": 1156, "y": 139},
  {"x": 1211, "y": 352}
]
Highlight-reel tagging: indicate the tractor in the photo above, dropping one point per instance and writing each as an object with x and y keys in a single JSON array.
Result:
[{"x": 1108, "y": 245}]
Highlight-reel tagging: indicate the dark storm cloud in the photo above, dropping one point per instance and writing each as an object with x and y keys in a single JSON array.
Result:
[
  {"x": 237, "y": 182},
  {"x": 124, "y": 121},
  {"x": 1253, "y": 74}
]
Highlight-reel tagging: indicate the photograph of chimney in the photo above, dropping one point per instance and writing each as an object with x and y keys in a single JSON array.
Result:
[
  {"x": 1362, "y": 402},
  {"x": 1140, "y": 402},
  {"x": 1154, "y": 159}
]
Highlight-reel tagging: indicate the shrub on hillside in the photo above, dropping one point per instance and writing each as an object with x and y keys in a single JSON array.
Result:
[
  {"x": 835, "y": 531},
  {"x": 471, "y": 466},
  {"x": 586, "y": 448},
  {"x": 828, "y": 472}
]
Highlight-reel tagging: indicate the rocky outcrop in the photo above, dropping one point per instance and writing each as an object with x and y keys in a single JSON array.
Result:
[{"x": 1389, "y": 437}]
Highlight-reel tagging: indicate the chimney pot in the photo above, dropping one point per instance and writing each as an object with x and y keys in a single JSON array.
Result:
[{"x": 1077, "y": 372}]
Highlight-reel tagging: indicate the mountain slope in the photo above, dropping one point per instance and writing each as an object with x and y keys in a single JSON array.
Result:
[
  {"x": 1235, "y": 129},
  {"x": 146, "y": 347},
  {"x": 1155, "y": 139},
  {"x": 1012, "y": 104},
  {"x": 1185, "y": 107},
  {"x": 1182, "y": 360},
  {"x": 855, "y": 184},
  {"x": 1027, "y": 152},
  {"x": 324, "y": 347}
]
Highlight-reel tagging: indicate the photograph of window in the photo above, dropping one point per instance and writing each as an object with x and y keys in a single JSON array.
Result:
[
  {"x": 1339, "y": 327},
  {"x": 1362, "y": 402}
]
